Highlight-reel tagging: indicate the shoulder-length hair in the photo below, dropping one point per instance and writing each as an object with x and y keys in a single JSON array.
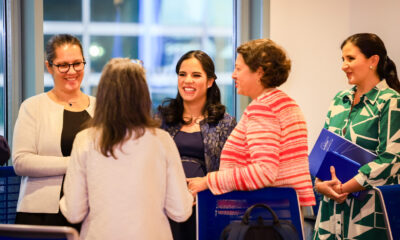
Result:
[
  {"x": 123, "y": 104},
  {"x": 171, "y": 110},
  {"x": 268, "y": 55}
]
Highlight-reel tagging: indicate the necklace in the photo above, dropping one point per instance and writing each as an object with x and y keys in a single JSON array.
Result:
[
  {"x": 70, "y": 102},
  {"x": 192, "y": 120}
]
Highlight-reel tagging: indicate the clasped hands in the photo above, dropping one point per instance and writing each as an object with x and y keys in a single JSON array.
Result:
[
  {"x": 196, "y": 185},
  {"x": 332, "y": 189}
]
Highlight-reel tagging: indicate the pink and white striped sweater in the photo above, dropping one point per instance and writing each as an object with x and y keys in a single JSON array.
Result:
[{"x": 267, "y": 148}]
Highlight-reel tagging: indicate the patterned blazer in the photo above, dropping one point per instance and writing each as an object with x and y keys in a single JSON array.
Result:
[{"x": 214, "y": 137}]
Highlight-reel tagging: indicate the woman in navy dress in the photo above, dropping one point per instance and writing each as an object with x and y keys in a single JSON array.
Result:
[{"x": 198, "y": 122}]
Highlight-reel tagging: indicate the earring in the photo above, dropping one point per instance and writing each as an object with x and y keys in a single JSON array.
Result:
[{"x": 370, "y": 67}]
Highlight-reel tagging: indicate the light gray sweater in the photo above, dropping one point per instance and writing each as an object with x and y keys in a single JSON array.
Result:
[{"x": 37, "y": 155}]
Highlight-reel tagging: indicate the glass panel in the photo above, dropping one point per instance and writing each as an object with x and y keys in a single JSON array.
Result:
[
  {"x": 2, "y": 52},
  {"x": 199, "y": 13},
  {"x": 103, "y": 48},
  {"x": 116, "y": 10},
  {"x": 181, "y": 12},
  {"x": 161, "y": 74},
  {"x": 224, "y": 62},
  {"x": 62, "y": 10}
]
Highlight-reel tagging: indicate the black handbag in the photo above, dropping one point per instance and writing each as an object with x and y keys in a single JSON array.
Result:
[{"x": 260, "y": 229}]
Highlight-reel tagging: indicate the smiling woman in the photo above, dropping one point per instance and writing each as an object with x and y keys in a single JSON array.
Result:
[
  {"x": 368, "y": 115},
  {"x": 44, "y": 133},
  {"x": 197, "y": 121}
]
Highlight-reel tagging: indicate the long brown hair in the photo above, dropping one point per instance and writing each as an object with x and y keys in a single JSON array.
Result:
[{"x": 123, "y": 104}]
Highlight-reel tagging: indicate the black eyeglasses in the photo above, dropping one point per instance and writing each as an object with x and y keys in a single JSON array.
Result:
[{"x": 64, "y": 68}]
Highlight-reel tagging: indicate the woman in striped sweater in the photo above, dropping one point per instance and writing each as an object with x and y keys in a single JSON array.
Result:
[{"x": 268, "y": 147}]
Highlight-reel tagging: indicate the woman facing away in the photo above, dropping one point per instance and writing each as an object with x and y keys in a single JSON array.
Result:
[
  {"x": 45, "y": 130},
  {"x": 125, "y": 177},
  {"x": 197, "y": 121},
  {"x": 368, "y": 115},
  {"x": 268, "y": 147}
]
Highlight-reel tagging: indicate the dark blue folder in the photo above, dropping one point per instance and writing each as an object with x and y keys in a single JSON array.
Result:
[
  {"x": 340, "y": 162},
  {"x": 341, "y": 149}
]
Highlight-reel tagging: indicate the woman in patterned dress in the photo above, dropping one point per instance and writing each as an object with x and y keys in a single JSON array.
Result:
[
  {"x": 268, "y": 147},
  {"x": 368, "y": 115}
]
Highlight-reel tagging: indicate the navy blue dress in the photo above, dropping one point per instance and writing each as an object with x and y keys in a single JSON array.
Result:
[{"x": 191, "y": 150}]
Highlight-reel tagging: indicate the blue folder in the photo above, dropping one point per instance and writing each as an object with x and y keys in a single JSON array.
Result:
[
  {"x": 342, "y": 149},
  {"x": 340, "y": 162}
]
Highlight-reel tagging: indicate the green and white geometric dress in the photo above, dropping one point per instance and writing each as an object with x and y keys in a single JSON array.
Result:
[{"x": 374, "y": 124}]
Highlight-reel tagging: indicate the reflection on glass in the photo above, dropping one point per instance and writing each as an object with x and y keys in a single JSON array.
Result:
[{"x": 158, "y": 32}]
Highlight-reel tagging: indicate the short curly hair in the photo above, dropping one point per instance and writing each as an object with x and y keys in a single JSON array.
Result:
[{"x": 266, "y": 54}]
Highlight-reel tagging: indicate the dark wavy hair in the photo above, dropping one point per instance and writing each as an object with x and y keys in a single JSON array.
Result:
[
  {"x": 171, "y": 110},
  {"x": 58, "y": 41},
  {"x": 266, "y": 54},
  {"x": 370, "y": 44},
  {"x": 123, "y": 104}
]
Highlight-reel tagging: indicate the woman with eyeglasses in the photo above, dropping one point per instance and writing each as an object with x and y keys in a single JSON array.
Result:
[{"x": 45, "y": 130}]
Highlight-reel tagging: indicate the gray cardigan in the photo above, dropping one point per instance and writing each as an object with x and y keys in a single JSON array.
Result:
[{"x": 37, "y": 155}]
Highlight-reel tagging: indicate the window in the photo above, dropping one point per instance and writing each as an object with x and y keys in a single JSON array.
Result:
[{"x": 158, "y": 32}]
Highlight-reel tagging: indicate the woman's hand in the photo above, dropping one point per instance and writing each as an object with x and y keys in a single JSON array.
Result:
[
  {"x": 197, "y": 184},
  {"x": 332, "y": 189}
]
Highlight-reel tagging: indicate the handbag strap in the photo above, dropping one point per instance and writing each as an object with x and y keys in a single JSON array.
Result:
[{"x": 246, "y": 215}]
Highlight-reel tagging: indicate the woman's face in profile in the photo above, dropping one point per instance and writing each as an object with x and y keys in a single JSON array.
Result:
[
  {"x": 71, "y": 80},
  {"x": 356, "y": 66},
  {"x": 247, "y": 82},
  {"x": 193, "y": 82}
]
